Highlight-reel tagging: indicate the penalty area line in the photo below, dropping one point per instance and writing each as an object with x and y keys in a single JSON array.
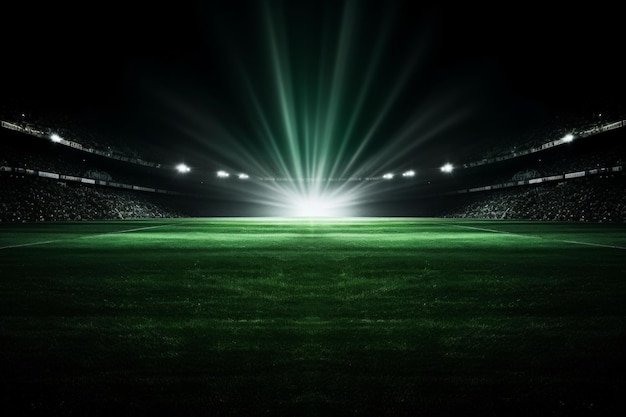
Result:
[{"x": 574, "y": 242}]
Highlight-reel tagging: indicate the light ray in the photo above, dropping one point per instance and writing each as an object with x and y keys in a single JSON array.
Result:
[
  {"x": 283, "y": 80},
  {"x": 323, "y": 131}
]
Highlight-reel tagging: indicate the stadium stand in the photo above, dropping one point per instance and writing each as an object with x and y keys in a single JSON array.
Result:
[
  {"x": 45, "y": 181},
  {"x": 600, "y": 199},
  {"x": 535, "y": 139},
  {"x": 43, "y": 123},
  {"x": 579, "y": 181},
  {"x": 26, "y": 198},
  {"x": 539, "y": 177}
]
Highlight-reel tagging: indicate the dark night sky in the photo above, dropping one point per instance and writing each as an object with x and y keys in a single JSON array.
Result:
[{"x": 100, "y": 61}]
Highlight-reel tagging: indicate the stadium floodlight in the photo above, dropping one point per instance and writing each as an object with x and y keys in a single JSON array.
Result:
[
  {"x": 408, "y": 174},
  {"x": 223, "y": 174},
  {"x": 243, "y": 176},
  {"x": 447, "y": 168},
  {"x": 568, "y": 138},
  {"x": 388, "y": 176},
  {"x": 55, "y": 138},
  {"x": 182, "y": 168}
]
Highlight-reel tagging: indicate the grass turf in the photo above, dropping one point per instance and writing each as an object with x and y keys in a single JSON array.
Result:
[{"x": 247, "y": 317}]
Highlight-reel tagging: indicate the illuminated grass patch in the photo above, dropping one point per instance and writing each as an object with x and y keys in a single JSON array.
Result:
[{"x": 312, "y": 317}]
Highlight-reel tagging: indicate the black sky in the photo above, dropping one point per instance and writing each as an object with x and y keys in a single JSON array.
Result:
[{"x": 91, "y": 59}]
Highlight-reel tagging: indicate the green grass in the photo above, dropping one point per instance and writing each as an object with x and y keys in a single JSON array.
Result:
[{"x": 250, "y": 317}]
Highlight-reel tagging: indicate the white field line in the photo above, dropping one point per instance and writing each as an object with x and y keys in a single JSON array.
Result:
[
  {"x": 83, "y": 237},
  {"x": 575, "y": 242},
  {"x": 593, "y": 244},
  {"x": 27, "y": 244},
  {"x": 128, "y": 230}
]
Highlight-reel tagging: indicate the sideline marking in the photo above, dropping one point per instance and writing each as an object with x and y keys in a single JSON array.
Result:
[
  {"x": 83, "y": 237},
  {"x": 575, "y": 242},
  {"x": 27, "y": 244},
  {"x": 594, "y": 244},
  {"x": 126, "y": 231},
  {"x": 489, "y": 230}
]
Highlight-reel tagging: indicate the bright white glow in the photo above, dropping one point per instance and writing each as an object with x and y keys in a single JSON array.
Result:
[
  {"x": 447, "y": 168},
  {"x": 410, "y": 173},
  {"x": 182, "y": 168},
  {"x": 316, "y": 207},
  {"x": 55, "y": 138},
  {"x": 243, "y": 176},
  {"x": 388, "y": 176},
  {"x": 222, "y": 174},
  {"x": 568, "y": 138}
]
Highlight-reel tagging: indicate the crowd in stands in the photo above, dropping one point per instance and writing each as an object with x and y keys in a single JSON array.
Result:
[
  {"x": 594, "y": 199},
  {"x": 25, "y": 198}
]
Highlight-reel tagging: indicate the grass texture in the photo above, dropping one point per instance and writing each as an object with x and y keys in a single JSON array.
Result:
[{"x": 312, "y": 317}]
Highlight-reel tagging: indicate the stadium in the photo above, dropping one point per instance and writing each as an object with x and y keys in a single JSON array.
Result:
[{"x": 271, "y": 249}]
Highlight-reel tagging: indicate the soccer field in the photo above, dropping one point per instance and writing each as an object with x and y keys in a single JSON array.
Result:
[{"x": 321, "y": 317}]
